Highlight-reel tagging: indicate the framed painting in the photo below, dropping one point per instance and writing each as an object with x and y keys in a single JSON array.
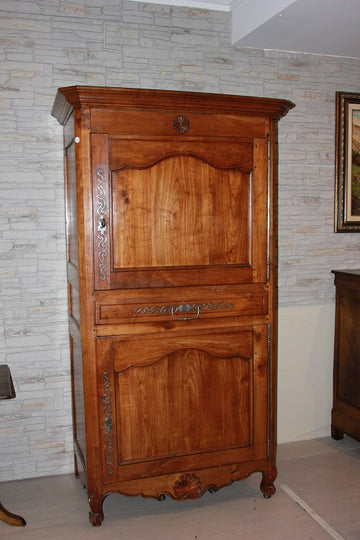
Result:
[{"x": 347, "y": 163}]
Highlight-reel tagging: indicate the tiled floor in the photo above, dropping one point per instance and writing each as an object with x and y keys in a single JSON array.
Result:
[{"x": 318, "y": 497}]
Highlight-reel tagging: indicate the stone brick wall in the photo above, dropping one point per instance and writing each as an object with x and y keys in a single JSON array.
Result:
[{"x": 48, "y": 44}]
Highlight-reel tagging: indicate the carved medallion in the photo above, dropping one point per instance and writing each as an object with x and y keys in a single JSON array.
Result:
[
  {"x": 181, "y": 123},
  {"x": 187, "y": 486}
]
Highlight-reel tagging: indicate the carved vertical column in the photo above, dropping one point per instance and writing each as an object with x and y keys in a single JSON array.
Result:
[
  {"x": 108, "y": 425},
  {"x": 101, "y": 220},
  {"x": 101, "y": 210}
]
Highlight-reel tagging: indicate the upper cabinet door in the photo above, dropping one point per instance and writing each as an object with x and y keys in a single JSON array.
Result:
[{"x": 179, "y": 212}]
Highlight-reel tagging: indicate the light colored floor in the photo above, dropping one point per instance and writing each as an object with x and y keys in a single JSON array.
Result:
[{"x": 318, "y": 497}]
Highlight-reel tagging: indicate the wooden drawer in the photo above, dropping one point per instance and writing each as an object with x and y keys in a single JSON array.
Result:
[{"x": 183, "y": 305}]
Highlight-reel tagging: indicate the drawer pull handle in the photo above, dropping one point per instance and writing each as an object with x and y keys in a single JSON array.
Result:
[{"x": 192, "y": 310}]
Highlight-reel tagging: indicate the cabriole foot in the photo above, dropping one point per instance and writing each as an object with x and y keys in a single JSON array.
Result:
[
  {"x": 96, "y": 518},
  {"x": 267, "y": 484},
  {"x": 10, "y": 518},
  {"x": 96, "y": 514}
]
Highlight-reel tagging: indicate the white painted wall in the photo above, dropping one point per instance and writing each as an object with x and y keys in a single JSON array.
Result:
[
  {"x": 45, "y": 45},
  {"x": 305, "y": 371}
]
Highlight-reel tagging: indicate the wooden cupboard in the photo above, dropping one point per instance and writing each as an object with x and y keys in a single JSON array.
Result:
[
  {"x": 345, "y": 414},
  {"x": 171, "y": 250}
]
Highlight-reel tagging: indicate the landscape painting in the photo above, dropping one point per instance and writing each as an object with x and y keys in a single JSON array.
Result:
[
  {"x": 354, "y": 172},
  {"x": 347, "y": 192}
]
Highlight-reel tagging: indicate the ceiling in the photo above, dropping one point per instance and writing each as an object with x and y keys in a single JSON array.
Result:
[{"x": 330, "y": 27}]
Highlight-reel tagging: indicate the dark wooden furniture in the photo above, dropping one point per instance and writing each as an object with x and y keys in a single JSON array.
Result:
[
  {"x": 7, "y": 391},
  {"x": 345, "y": 415},
  {"x": 171, "y": 242}
]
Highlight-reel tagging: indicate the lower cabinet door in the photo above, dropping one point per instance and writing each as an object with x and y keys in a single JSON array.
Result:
[{"x": 170, "y": 403}]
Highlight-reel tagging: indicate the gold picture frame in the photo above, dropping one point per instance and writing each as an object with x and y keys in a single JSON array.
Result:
[{"x": 347, "y": 163}]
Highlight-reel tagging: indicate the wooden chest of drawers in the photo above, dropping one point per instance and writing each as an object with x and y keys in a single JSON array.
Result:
[{"x": 345, "y": 415}]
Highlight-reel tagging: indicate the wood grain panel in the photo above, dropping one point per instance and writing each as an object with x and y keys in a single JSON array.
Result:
[
  {"x": 217, "y": 152},
  {"x": 205, "y": 404},
  {"x": 129, "y": 352},
  {"x": 190, "y": 401},
  {"x": 200, "y": 213}
]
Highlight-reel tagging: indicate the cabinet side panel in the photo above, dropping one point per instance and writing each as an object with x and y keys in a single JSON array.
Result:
[
  {"x": 348, "y": 382},
  {"x": 71, "y": 217},
  {"x": 74, "y": 299},
  {"x": 77, "y": 395}
]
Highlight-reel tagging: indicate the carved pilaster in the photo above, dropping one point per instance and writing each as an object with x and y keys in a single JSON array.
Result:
[
  {"x": 101, "y": 212},
  {"x": 108, "y": 425}
]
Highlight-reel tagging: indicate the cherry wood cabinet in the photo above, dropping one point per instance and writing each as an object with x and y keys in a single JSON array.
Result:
[
  {"x": 171, "y": 249},
  {"x": 345, "y": 414}
]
